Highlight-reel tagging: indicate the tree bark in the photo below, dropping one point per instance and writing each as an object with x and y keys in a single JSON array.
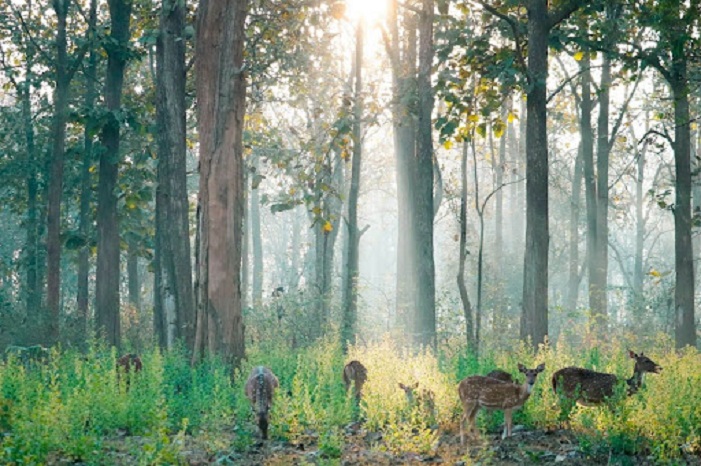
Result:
[
  {"x": 350, "y": 305},
  {"x": 108, "y": 273},
  {"x": 256, "y": 240},
  {"x": 85, "y": 177},
  {"x": 221, "y": 93},
  {"x": 133, "y": 279},
  {"x": 423, "y": 186},
  {"x": 462, "y": 287},
  {"x": 573, "y": 280}
]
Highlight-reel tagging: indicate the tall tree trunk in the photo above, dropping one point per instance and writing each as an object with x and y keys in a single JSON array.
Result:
[
  {"x": 462, "y": 287},
  {"x": 107, "y": 279},
  {"x": 404, "y": 137},
  {"x": 58, "y": 147},
  {"x": 423, "y": 186},
  {"x": 598, "y": 261},
  {"x": 246, "y": 247},
  {"x": 350, "y": 305},
  {"x": 174, "y": 300},
  {"x": 638, "y": 272},
  {"x": 256, "y": 239},
  {"x": 85, "y": 177},
  {"x": 573, "y": 280},
  {"x": 31, "y": 252},
  {"x": 685, "y": 323},
  {"x": 221, "y": 94}
]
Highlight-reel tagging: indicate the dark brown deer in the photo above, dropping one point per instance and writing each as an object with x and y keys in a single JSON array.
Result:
[
  {"x": 590, "y": 387},
  {"x": 501, "y": 375},
  {"x": 128, "y": 364},
  {"x": 260, "y": 388},
  {"x": 479, "y": 391},
  {"x": 425, "y": 400},
  {"x": 355, "y": 373}
]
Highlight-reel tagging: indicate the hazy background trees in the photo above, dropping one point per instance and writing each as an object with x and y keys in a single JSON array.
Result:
[{"x": 546, "y": 157}]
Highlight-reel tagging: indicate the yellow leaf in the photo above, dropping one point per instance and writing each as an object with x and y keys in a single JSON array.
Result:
[
  {"x": 316, "y": 210},
  {"x": 473, "y": 118},
  {"x": 511, "y": 117},
  {"x": 498, "y": 128},
  {"x": 578, "y": 56},
  {"x": 92, "y": 168},
  {"x": 448, "y": 144},
  {"x": 655, "y": 273},
  {"x": 327, "y": 227},
  {"x": 292, "y": 191}
]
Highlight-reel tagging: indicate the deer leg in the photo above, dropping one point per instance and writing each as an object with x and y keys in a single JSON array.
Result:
[
  {"x": 473, "y": 417},
  {"x": 507, "y": 424}
]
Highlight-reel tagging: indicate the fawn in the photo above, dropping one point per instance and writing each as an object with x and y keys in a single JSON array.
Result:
[
  {"x": 354, "y": 372},
  {"x": 590, "y": 387},
  {"x": 260, "y": 387},
  {"x": 479, "y": 391},
  {"x": 425, "y": 400}
]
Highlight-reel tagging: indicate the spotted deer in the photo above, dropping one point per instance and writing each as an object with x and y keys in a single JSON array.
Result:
[
  {"x": 425, "y": 400},
  {"x": 589, "y": 387},
  {"x": 128, "y": 364},
  {"x": 479, "y": 391},
  {"x": 355, "y": 373},
  {"x": 501, "y": 375},
  {"x": 260, "y": 388}
]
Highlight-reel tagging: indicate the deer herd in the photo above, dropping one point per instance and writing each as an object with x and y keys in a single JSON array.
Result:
[{"x": 495, "y": 391}]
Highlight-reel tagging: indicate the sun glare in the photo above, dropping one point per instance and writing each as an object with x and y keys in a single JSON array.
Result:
[{"x": 370, "y": 11}]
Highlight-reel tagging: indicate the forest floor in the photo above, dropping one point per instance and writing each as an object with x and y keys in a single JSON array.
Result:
[{"x": 524, "y": 447}]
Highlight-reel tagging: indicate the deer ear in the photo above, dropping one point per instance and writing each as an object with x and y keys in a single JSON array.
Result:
[
  {"x": 541, "y": 367},
  {"x": 416, "y": 385},
  {"x": 631, "y": 354},
  {"x": 402, "y": 386},
  {"x": 521, "y": 368}
]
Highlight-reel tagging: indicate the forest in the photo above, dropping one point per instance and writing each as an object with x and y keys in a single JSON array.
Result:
[{"x": 320, "y": 232}]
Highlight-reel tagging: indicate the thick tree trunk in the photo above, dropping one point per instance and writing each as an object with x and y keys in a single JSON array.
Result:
[
  {"x": 221, "y": 93},
  {"x": 534, "y": 323},
  {"x": 85, "y": 177},
  {"x": 174, "y": 300},
  {"x": 423, "y": 187},
  {"x": 350, "y": 305},
  {"x": 58, "y": 148},
  {"x": 108, "y": 273},
  {"x": 685, "y": 323}
]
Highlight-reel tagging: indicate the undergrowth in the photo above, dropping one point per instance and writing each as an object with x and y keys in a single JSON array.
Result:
[{"x": 75, "y": 404}]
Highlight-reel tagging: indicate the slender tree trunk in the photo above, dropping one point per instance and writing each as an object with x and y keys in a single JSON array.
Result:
[
  {"x": 256, "y": 240},
  {"x": 221, "y": 93},
  {"x": 350, "y": 306},
  {"x": 133, "y": 278},
  {"x": 462, "y": 287},
  {"x": 85, "y": 177},
  {"x": 107, "y": 279},
  {"x": 573, "y": 280},
  {"x": 423, "y": 186},
  {"x": 638, "y": 273},
  {"x": 58, "y": 136},
  {"x": 599, "y": 259},
  {"x": 246, "y": 247}
]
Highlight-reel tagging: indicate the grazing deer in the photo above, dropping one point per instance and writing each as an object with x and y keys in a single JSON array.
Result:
[
  {"x": 425, "y": 400},
  {"x": 260, "y": 387},
  {"x": 354, "y": 372},
  {"x": 486, "y": 392},
  {"x": 501, "y": 375},
  {"x": 590, "y": 387}
]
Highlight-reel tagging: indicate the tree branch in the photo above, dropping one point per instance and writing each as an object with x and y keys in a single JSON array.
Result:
[{"x": 563, "y": 12}]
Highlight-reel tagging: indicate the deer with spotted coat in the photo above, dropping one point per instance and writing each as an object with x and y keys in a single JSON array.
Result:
[
  {"x": 480, "y": 391},
  {"x": 260, "y": 388}
]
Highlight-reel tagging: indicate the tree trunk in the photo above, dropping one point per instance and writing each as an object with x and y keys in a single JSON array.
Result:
[
  {"x": 133, "y": 279},
  {"x": 175, "y": 302},
  {"x": 85, "y": 177},
  {"x": 598, "y": 261},
  {"x": 350, "y": 305},
  {"x": 638, "y": 272},
  {"x": 573, "y": 280},
  {"x": 464, "y": 297},
  {"x": 423, "y": 187},
  {"x": 256, "y": 240},
  {"x": 107, "y": 278},
  {"x": 58, "y": 142},
  {"x": 534, "y": 323},
  {"x": 685, "y": 323},
  {"x": 221, "y": 94}
]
